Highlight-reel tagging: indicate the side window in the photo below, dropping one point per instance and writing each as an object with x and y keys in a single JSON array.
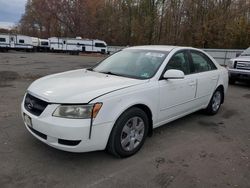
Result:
[
  {"x": 100, "y": 45},
  {"x": 2, "y": 40},
  {"x": 179, "y": 62},
  {"x": 44, "y": 43},
  {"x": 21, "y": 41},
  {"x": 201, "y": 62}
]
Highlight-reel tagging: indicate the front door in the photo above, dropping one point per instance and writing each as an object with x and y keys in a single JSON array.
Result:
[{"x": 177, "y": 95}]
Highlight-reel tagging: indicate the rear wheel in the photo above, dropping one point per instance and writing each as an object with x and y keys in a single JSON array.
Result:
[
  {"x": 215, "y": 102},
  {"x": 129, "y": 133}
]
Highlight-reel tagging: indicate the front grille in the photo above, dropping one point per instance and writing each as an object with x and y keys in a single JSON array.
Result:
[
  {"x": 34, "y": 105},
  {"x": 243, "y": 65},
  {"x": 235, "y": 64},
  {"x": 60, "y": 141},
  {"x": 69, "y": 142}
]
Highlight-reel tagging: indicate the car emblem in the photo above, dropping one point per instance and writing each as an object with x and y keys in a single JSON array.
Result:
[{"x": 30, "y": 105}]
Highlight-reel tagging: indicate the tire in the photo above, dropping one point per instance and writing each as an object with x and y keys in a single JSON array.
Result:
[
  {"x": 232, "y": 81},
  {"x": 129, "y": 133},
  {"x": 215, "y": 102}
]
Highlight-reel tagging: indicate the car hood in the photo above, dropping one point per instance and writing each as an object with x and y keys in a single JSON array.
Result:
[{"x": 78, "y": 86}]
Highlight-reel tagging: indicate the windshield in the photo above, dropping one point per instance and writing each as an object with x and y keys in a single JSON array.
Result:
[
  {"x": 246, "y": 52},
  {"x": 140, "y": 64}
]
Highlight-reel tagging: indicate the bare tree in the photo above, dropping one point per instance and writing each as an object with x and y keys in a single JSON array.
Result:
[{"x": 199, "y": 23}]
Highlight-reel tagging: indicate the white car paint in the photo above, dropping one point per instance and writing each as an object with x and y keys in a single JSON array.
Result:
[
  {"x": 167, "y": 100},
  {"x": 82, "y": 86}
]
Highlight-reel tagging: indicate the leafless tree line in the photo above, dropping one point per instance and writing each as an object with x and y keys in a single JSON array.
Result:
[{"x": 199, "y": 23}]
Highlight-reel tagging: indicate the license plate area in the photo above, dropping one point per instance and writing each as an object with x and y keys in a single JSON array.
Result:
[{"x": 27, "y": 120}]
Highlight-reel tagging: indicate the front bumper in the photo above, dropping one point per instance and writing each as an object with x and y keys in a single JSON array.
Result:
[
  {"x": 240, "y": 74},
  {"x": 68, "y": 134}
]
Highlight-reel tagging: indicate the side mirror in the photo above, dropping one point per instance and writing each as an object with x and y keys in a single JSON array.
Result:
[{"x": 173, "y": 74}]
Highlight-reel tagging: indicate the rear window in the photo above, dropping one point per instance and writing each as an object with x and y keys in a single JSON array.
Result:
[
  {"x": 201, "y": 63},
  {"x": 2, "y": 40}
]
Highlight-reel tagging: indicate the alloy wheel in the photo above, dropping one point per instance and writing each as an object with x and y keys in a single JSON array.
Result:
[{"x": 132, "y": 133}]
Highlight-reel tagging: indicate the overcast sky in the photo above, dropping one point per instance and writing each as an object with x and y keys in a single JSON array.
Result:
[{"x": 11, "y": 12}]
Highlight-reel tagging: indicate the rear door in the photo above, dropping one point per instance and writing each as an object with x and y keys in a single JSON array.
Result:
[
  {"x": 64, "y": 45},
  {"x": 12, "y": 41},
  {"x": 207, "y": 76},
  {"x": 177, "y": 95}
]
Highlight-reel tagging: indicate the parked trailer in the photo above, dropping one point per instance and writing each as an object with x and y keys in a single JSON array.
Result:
[
  {"x": 40, "y": 45},
  {"x": 77, "y": 45},
  {"x": 44, "y": 45},
  {"x": 35, "y": 43},
  {"x": 18, "y": 42},
  {"x": 21, "y": 42},
  {"x": 4, "y": 42}
]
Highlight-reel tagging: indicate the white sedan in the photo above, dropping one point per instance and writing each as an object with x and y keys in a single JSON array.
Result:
[{"x": 116, "y": 104}]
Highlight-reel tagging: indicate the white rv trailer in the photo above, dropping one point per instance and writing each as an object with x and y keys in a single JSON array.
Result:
[
  {"x": 18, "y": 42},
  {"x": 4, "y": 42},
  {"x": 77, "y": 45},
  {"x": 40, "y": 45},
  {"x": 35, "y": 42},
  {"x": 44, "y": 45},
  {"x": 21, "y": 42}
]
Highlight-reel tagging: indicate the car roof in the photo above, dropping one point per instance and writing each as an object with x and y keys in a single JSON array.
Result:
[{"x": 156, "y": 47}]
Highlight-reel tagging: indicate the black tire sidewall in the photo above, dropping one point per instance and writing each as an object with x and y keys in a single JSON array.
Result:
[
  {"x": 210, "y": 109},
  {"x": 120, "y": 123}
]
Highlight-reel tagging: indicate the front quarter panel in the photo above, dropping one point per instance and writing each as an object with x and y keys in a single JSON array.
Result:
[{"x": 114, "y": 104}]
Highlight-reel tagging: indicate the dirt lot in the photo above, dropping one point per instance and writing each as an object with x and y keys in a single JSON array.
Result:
[{"x": 195, "y": 151}]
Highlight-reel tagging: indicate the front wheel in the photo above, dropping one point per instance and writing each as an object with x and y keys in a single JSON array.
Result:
[
  {"x": 129, "y": 133},
  {"x": 215, "y": 103}
]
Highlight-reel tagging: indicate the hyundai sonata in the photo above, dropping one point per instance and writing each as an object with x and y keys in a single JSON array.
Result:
[{"x": 116, "y": 104}]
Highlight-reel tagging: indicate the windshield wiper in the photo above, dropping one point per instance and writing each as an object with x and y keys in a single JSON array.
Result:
[
  {"x": 110, "y": 73},
  {"x": 90, "y": 69}
]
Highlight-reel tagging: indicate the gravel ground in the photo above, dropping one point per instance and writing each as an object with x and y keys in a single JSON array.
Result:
[{"x": 195, "y": 151}]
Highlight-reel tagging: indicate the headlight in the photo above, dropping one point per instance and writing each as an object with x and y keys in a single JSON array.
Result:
[
  {"x": 78, "y": 111},
  {"x": 230, "y": 64}
]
